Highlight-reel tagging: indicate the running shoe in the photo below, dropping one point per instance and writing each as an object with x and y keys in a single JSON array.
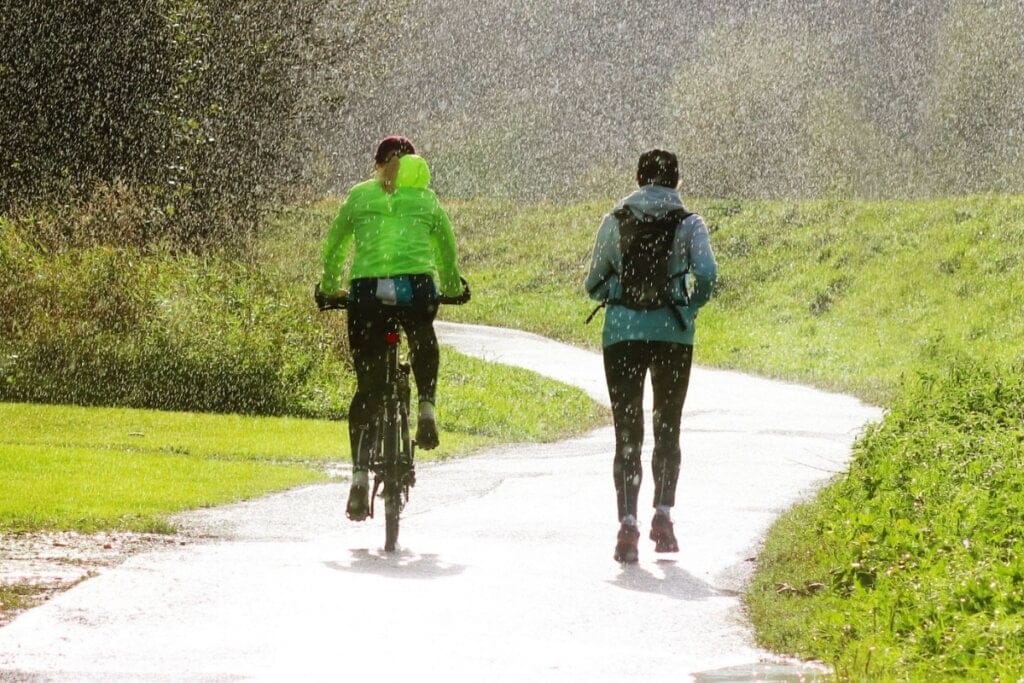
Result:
[
  {"x": 625, "y": 547},
  {"x": 662, "y": 535}
]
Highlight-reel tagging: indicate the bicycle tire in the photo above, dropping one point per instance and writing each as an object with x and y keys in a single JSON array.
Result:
[
  {"x": 392, "y": 513},
  {"x": 392, "y": 444}
]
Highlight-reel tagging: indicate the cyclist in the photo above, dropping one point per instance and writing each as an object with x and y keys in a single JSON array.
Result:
[
  {"x": 656, "y": 338},
  {"x": 402, "y": 237}
]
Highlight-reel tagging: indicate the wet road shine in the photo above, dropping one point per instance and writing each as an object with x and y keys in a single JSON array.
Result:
[{"x": 505, "y": 568}]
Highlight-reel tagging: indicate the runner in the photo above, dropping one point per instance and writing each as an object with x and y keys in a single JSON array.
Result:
[{"x": 654, "y": 268}]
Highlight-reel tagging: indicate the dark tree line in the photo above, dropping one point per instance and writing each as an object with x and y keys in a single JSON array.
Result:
[{"x": 199, "y": 114}]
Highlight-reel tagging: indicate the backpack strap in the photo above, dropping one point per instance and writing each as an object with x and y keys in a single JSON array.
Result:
[
  {"x": 623, "y": 213},
  {"x": 620, "y": 215},
  {"x": 679, "y": 215},
  {"x": 604, "y": 278}
]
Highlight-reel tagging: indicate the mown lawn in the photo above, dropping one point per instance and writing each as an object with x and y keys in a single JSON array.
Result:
[
  {"x": 71, "y": 467},
  {"x": 46, "y": 487}
]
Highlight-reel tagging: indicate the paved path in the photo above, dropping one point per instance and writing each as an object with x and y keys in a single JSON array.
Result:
[{"x": 505, "y": 570}]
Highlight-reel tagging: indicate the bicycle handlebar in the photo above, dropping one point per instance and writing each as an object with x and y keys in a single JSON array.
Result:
[
  {"x": 340, "y": 302},
  {"x": 459, "y": 299}
]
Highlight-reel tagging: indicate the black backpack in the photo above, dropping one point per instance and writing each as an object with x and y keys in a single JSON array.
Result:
[{"x": 646, "y": 245}]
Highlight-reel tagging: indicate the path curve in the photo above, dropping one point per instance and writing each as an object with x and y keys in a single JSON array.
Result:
[{"x": 505, "y": 570}]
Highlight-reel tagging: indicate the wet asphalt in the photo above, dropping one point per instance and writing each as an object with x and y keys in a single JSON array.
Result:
[{"x": 504, "y": 570}]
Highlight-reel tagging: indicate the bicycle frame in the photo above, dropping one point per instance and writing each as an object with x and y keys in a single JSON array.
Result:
[
  {"x": 391, "y": 451},
  {"x": 393, "y": 467}
]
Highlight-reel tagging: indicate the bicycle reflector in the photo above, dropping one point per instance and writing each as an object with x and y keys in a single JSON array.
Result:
[{"x": 391, "y": 337}]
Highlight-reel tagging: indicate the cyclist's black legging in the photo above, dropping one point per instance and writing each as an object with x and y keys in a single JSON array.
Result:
[
  {"x": 626, "y": 365},
  {"x": 367, "y": 324}
]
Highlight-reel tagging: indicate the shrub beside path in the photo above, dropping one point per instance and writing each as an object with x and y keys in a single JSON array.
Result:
[{"x": 505, "y": 566}]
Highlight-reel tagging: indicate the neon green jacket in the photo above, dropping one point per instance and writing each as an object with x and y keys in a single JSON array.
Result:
[{"x": 405, "y": 233}]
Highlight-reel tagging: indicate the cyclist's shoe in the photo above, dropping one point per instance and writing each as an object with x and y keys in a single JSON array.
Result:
[
  {"x": 358, "y": 507},
  {"x": 426, "y": 434},
  {"x": 426, "y": 427},
  {"x": 625, "y": 546},
  {"x": 662, "y": 535}
]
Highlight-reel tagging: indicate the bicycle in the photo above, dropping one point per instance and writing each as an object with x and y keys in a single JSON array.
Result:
[{"x": 391, "y": 457}]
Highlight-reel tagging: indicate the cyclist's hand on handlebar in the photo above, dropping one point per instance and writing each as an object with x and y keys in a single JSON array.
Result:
[
  {"x": 328, "y": 301},
  {"x": 462, "y": 298}
]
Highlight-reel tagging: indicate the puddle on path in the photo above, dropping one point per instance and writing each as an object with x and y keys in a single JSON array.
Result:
[{"x": 766, "y": 672}]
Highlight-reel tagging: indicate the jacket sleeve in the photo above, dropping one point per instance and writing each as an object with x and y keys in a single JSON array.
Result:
[
  {"x": 702, "y": 264},
  {"x": 335, "y": 249},
  {"x": 602, "y": 263},
  {"x": 445, "y": 255}
]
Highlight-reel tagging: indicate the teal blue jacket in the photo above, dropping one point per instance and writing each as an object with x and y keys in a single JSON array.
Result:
[{"x": 691, "y": 251}]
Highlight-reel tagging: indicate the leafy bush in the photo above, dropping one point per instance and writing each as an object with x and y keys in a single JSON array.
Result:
[{"x": 118, "y": 326}]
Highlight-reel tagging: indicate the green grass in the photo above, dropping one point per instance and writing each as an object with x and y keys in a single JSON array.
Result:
[
  {"x": 17, "y": 597},
  {"x": 912, "y": 566},
  {"x": 69, "y": 467},
  {"x": 854, "y": 295},
  {"x": 90, "y": 489},
  {"x": 201, "y": 435}
]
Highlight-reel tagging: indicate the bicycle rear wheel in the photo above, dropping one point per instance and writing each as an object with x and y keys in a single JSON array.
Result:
[
  {"x": 392, "y": 512},
  {"x": 392, "y": 476},
  {"x": 396, "y": 450}
]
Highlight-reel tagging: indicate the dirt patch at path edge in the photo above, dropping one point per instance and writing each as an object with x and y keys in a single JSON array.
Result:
[{"x": 35, "y": 566}]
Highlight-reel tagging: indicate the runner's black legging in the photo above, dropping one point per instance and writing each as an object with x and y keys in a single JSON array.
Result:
[
  {"x": 626, "y": 365},
  {"x": 367, "y": 325}
]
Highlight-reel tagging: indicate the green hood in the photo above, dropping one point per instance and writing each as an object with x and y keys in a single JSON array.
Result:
[{"x": 413, "y": 172}]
